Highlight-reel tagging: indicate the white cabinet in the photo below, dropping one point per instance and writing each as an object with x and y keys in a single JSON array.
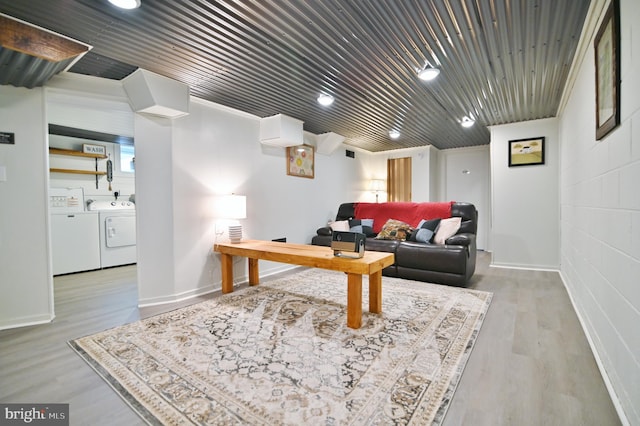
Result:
[{"x": 75, "y": 242}]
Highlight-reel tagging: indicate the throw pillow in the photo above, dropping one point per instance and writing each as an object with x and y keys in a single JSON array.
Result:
[
  {"x": 425, "y": 231},
  {"x": 395, "y": 230},
  {"x": 325, "y": 230},
  {"x": 364, "y": 226},
  {"x": 340, "y": 225},
  {"x": 446, "y": 229}
]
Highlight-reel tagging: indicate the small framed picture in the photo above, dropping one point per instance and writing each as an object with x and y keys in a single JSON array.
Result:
[
  {"x": 8, "y": 138},
  {"x": 94, "y": 149},
  {"x": 526, "y": 152},
  {"x": 300, "y": 161}
]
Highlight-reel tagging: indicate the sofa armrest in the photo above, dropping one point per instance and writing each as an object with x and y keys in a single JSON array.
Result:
[
  {"x": 464, "y": 239},
  {"x": 325, "y": 230}
]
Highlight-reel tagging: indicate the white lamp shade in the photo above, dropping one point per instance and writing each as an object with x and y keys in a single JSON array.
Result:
[
  {"x": 230, "y": 207},
  {"x": 377, "y": 185}
]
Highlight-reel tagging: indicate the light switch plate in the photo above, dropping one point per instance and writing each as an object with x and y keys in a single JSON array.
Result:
[{"x": 3, "y": 174}]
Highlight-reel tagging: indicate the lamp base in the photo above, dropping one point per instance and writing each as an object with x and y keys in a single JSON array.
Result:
[{"x": 235, "y": 233}]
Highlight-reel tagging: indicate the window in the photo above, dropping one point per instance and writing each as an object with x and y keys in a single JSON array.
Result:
[{"x": 127, "y": 158}]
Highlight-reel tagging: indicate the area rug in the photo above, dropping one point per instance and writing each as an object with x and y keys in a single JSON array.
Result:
[{"x": 281, "y": 354}]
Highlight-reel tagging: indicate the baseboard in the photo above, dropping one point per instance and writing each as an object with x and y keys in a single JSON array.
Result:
[
  {"x": 599, "y": 363},
  {"x": 524, "y": 267},
  {"x": 175, "y": 298},
  {"x": 181, "y": 297},
  {"x": 28, "y": 322}
]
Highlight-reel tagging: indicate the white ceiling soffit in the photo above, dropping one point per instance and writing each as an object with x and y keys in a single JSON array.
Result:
[
  {"x": 281, "y": 130},
  {"x": 154, "y": 94}
]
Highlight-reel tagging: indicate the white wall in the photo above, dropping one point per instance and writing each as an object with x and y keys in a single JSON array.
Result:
[
  {"x": 600, "y": 200},
  {"x": 525, "y": 201},
  {"x": 154, "y": 209},
  {"x": 26, "y": 284},
  {"x": 371, "y": 166},
  {"x": 182, "y": 164},
  {"x": 466, "y": 176}
]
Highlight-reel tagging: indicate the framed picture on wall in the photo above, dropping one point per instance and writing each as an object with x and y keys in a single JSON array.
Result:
[
  {"x": 526, "y": 152},
  {"x": 608, "y": 72},
  {"x": 300, "y": 161}
]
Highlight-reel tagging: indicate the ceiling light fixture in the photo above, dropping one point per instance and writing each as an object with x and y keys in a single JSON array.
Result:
[
  {"x": 467, "y": 122},
  {"x": 126, "y": 4},
  {"x": 394, "y": 134},
  {"x": 325, "y": 100},
  {"x": 428, "y": 73}
]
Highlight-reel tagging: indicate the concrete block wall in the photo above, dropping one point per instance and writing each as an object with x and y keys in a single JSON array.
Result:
[{"x": 600, "y": 218}]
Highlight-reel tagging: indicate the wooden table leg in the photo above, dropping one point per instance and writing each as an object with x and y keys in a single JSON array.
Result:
[
  {"x": 254, "y": 275},
  {"x": 226, "y": 260},
  {"x": 375, "y": 292},
  {"x": 354, "y": 300}
]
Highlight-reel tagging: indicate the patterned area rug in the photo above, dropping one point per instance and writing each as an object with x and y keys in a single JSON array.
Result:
[{"x": 281, "y": 354}]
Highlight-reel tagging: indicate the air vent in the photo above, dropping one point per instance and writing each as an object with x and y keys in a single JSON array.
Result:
[
  {"x": 155, "y": 94},
  {"x": 327, "y": 143},
  {"x": 280, "y": 130}
]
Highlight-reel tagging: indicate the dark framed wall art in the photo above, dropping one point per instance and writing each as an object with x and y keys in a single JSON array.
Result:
[
  {"x": 607, "y": 58},
  {"x": 526, "y": 152}
]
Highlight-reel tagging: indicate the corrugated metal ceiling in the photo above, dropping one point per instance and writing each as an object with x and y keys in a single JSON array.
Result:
[{"x": 502, "y": 61}]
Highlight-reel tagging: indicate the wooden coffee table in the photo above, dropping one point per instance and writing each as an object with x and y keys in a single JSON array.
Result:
[{"x": 370, "y": 264}]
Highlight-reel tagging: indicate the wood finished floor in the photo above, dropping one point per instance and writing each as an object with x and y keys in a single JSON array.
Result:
[{"x": 531, "y": 364}]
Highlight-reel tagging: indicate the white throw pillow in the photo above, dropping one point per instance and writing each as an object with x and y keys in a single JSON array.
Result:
[
  {"x": 340, "y": 225},
  {"x": 446, "y": 229}
]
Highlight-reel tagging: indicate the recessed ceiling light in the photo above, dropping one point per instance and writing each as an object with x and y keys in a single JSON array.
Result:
[
  {"x": 394, "y": 134},
  {"x": 325, "y": 100},
  {"x": 467, "y": 122},
  {"x": 428, "y": 73},
  {"x": 125, "y": 4}
]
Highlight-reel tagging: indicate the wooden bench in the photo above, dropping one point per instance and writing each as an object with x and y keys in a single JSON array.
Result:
[{"x": 371, "y": 264}]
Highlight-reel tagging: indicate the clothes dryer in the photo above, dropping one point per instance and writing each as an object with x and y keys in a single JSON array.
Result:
[{"x": 117, "y": 221}]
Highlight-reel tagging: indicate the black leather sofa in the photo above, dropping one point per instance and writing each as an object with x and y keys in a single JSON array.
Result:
[{"x": 452, "y": 263}]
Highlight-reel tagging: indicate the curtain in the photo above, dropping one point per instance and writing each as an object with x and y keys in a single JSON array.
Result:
[{"x": 399, "y": 179}]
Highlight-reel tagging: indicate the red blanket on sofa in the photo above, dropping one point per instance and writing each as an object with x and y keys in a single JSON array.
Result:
[{"x": 411, "y": 213}]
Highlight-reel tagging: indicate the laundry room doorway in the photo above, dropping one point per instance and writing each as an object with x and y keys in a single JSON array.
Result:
[{"x": 91, "y": 200}]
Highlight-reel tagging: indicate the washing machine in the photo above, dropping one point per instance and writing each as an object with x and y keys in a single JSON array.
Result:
[
  {"x": 75, "y": 237},
  {"x": 117, "y": 221}
]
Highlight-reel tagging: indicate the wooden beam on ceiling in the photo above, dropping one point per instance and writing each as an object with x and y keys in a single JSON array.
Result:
[{"x": 40, "y": 43}]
